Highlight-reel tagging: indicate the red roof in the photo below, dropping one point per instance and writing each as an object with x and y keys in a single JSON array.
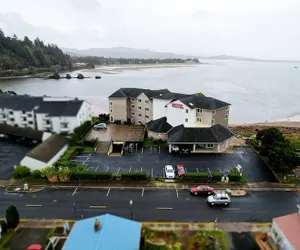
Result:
[
  {"x": 290, "y": 227},
  {"x": 35, "y": 247}
]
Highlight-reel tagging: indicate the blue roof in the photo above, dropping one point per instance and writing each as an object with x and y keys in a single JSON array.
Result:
[{"x": 116, "y": 233}]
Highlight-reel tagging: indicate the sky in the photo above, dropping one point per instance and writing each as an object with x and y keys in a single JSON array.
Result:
[{"x": 263, "y": 29}]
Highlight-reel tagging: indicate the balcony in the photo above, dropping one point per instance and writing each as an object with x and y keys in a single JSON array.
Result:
[
  {"x": 23, "y": 121},
  {"x": 23, "y": 115},
  {"x": 47, "y": 125},
  {"x": 64, "y": 129}
]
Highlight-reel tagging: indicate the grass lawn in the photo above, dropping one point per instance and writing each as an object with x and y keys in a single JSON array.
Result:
[
  {"x": 294, "y": 140},
  {"x": 155, "y": 143},
  {"x": 288, "y": 180},
  {"x": 5, "y": 238},
  {"x": 201, "y": 240},
  {"x": 88, "y": 149}
]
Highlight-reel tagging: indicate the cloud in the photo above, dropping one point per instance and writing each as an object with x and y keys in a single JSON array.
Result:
[{"x": 86, "y": 5}]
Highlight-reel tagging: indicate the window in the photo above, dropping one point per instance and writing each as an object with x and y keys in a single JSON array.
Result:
[
  {"x": 30, "y": 122},
  {"x": 186, "y": 120},
  {"x": 139, "y": 122},
  {"x": 147, "y": 117},
  {"x": 200, "y": 111},
  {"x": 227, "y": 108},
  {"x": 213, "y": 121},
  {"x": 146, "y": 109},
  {"x": 139, "y": 100},
  {"x": 12, "y": 119},
  {"x": 132, "y": 113},
  {"x": 140, "y": 114},
  {"x": 186, "y": 111},
  {"x": 23, "y": 112},
  {"x": 11, "y": 112},
  {"x": 146, "y": 101},
  {"x": 132, "y": 106},
  {"x": 226, "y": 117},
  {"x": 132, "y": 99},
  {"x": 110, "y": 103},
  {"x": 29, "y": 115},
  {"x": 111, "y": 111},
  {"x": 139, "y": 107},
  {"x": 214, "y": 112},
  {"x": 210, "y": 145},
  {"x": 111, "y": 119},
  {"x": 198, "y": 119}
]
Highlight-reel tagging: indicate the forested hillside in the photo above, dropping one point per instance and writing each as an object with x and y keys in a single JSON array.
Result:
[{"x": 20, "y": 54}]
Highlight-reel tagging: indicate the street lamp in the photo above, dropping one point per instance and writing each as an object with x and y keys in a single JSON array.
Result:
[
  {"x": 74, "y": 209},
  {"x": 131, "y": 212}
]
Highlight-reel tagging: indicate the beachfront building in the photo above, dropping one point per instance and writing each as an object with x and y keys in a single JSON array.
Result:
[{"x": 44, "y": 113}]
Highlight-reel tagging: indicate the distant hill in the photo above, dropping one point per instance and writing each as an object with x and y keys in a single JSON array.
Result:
[{"x": 123, "y": 52}]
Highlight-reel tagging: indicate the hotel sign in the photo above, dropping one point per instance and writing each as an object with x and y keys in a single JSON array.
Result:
[{"x": 177, "y": 105}]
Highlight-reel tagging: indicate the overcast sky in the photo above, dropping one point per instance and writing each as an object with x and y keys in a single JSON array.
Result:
[{"x": 249, "y": 28}]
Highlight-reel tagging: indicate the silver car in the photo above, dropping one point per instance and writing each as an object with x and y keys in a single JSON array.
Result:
[{"x": 219, "y": 199}]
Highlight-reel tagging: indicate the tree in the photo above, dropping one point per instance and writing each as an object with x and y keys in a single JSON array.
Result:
[
  {"x": 268, "y": 137},
  {"x": 12, "y": 217}
]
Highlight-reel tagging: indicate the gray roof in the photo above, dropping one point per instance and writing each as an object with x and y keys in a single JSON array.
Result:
[
  {"x": 60, "y": 108},
  {"x": 159, "y": 125},
  {"x": 215, "y": 134},
  {"x": 20, "y": 102},
  {"x": 203, "y": 102},
  {"x": 48, "y": 149},
  {"x": 135, "y": 92},
  {"x": 28, "y": 133},
  {"x": 170, "y": 96}
]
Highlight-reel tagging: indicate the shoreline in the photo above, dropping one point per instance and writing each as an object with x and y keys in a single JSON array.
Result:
[{"x": 286, "y": 124}]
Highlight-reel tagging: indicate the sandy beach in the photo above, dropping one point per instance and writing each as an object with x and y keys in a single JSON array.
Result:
[{"x": 287, "y": 124}]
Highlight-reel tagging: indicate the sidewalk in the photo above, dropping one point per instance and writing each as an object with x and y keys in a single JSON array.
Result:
[{"x": 225, "y": 226}]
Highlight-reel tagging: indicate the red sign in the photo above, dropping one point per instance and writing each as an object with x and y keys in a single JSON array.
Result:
[{"x": 177, "y": 105}]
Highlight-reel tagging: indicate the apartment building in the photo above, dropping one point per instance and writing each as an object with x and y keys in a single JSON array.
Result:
[
  {"x": 44, "y": 113},
  {"x": 133, "y": 104}
]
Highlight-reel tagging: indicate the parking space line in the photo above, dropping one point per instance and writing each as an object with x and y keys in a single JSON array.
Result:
[
  {"x": 108, "y": 192},
  {"x": 80, "y": 156},
  {"x": 89, "y": 154},
  {"x": 143, "y": 192},
  {"x": 74, "y": 191},
  {"x": 119, "y": 170},
  {"x": 97, "y": 206},
  {"x": 164, "y": 208},
  {"x": 129, "y": 169},
  {"x": 185, "y": 170},
  {"x": 244, "y": 150},
  {"x": 107, "y": 169},
  {"x": 96, "y": 168},
  {"x": 141, "y": 169},
  {"x": 197, "y": 169},
  {"x": 152, "y": 172},
  {"x": 32, "y": 205},
  {"x": 177, "y": 193},
  {"x": 83, "y": 163}
]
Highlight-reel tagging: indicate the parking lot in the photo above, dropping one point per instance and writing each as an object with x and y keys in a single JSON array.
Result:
[
  {"x": 153, "y": 160},
  {"x": 11, "y": 153}
]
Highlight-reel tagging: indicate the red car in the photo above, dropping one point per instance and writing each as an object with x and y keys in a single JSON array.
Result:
[
  {"x": 180, "y": 170},
  {"x": 202, "y": 190}
]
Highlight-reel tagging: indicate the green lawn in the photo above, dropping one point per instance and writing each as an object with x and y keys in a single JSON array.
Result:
[
  {"x": 88, "y": 149},
  {"x": 5, "y": 238}
]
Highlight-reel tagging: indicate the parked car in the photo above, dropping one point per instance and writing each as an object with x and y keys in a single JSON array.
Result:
[
  {"x": 219, "y": 199},
  {"x": 35, "y": 247},
  {"x": 180, "y": 170},
  {"x": 175, "y": 148},
  {"x": 170, "y": 174},
  {"x": 100, "y": 126},
  {"x": 202, "y": 190}
]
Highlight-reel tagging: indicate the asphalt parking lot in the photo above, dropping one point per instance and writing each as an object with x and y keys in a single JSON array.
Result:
[
  {"x": 11, "y": 153},
  {"x": 153, "y": 160}
]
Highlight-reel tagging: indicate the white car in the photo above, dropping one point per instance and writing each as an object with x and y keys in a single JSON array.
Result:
[
  {"x": 175, "y": 148},
  {"x": 170, "y": 173},
  {"x": 219, "y": 199}
]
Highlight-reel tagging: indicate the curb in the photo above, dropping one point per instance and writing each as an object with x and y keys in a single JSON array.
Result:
[{"x": 22, "y": 191}]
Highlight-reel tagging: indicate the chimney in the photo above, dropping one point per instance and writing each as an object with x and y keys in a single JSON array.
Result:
[
  {"x": 298, "y": 208},
  {"x": 97, "y": 225}
]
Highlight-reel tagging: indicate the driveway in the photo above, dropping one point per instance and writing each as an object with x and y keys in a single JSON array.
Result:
[
  {"x": 11, "y": 153},
  {"x": 26, "y": 237},
  {"x": 153, "y": 160}
]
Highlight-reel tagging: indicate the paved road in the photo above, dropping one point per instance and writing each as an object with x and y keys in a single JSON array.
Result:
[
  {"x": 153, "y": 161},
  {"x": 149, "y": 205}
]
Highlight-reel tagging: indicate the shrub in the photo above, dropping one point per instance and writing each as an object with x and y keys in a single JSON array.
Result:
[
  {"x": 36, "y": 174},
  {"x": 12, "y": 217},
  {"x": 91, "y": 176},
  {"x": 216, "y": 176},
  {"x": 21, "y": 172},
  {"x": 234, "y": 177},
  {"x": 64, "y": 174},
  {"x": 3, "y": 226},
  {"x": 196, "y": 177},
  {"x": 79, "y": 133},
  {"x": 80, "y": 167},
  {"x": 134, "y": 176},
  {"x": 117, "y": 121}
]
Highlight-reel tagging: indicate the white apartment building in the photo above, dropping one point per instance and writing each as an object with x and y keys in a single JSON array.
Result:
[{"x": 44, "y": 113}]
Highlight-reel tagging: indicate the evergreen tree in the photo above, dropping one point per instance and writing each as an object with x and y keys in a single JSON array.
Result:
[{"x": 12, "y": 217}]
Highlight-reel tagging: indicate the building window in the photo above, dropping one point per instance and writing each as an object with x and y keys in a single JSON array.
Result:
[
  {"x": 110, "y": 103},
  {"x": 30, "y": 122},
  {"x": 132, "y": 113},
  {"x": 200, "y": 111},
  {"x": 146, "y": 109},
  {"x": 198, "y": 119},
  {"x": 111, "y": 119},
  {"x": 146, "y": 101},
  {"x": 140, "y": 108},
  {"x": 226, "y": 117},
  {"x": 186, "y": 111},
  {"x": 147, "y": 117},
  {"x": 139, "y": 100},
  {"x": 11, "y": 112},
  {"x": 29, "y": 115},
  {"x": 23, "y": 112},
  {"x": 139, "y": 122},
  {"x": 186, "y": 120},
  {"x": 214, "y": 112},
  {"x": 140, "y": 114},
  {"x": 210, "y": 145},
  {"x": 227, "y": 108},
  {"x": 132, "y": 106},
  {"x": 213, "y": 121},
  {"x": 12, "y": 119},
  {"x": 132, "y": 99},
  {"x": 111, "y": 111}
]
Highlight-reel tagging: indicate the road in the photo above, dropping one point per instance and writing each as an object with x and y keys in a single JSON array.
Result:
[{"x": 148, "y": 205}]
